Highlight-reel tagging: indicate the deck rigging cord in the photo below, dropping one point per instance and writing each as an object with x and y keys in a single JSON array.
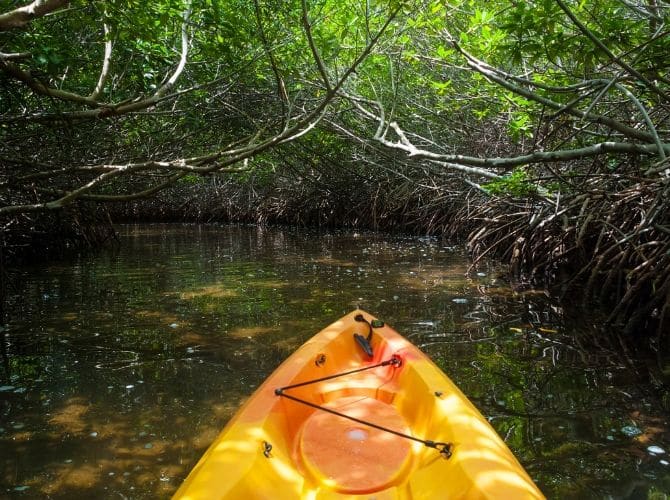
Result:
[{"x": 445, "y": 449}]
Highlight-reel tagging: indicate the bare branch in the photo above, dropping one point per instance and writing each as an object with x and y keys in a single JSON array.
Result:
[
  {"x": 40, "y": 88},
  {"x": 506, "y": 163},
  {"x": 448, "y": 161},
  {"x": 223, "y": 160},
  {"x": 652, "y": 129},
  {"x": 182, "y": 58},
  {"x": 106, "y": 63},
  {"x": 281, "y": 87},
  {"x": 315, "y": 52},
  {"x": 481, "y": 166},
  {"x": 103, "y": 110},
  {"x": 15, "y": 56},
  {"x": 21, "y": 16},
  {"x": 589, "y": 34},
  {"x": 503, "y": 80}
]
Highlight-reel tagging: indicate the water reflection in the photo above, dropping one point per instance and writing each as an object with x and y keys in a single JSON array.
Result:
[{"x": 118, "y": 370}]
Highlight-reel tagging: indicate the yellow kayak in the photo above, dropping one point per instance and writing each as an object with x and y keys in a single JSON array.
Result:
[{"x": 358, "y": 412}]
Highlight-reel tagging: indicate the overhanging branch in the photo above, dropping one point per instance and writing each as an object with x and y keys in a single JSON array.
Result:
[
  {"x": 224, "y": 160},
  {"x": 21, "y": 16}
]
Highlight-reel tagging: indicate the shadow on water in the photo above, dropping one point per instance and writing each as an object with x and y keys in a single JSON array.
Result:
[{"x": 118, "y": 370}]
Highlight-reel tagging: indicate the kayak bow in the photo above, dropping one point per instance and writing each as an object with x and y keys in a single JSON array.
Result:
[{"x": 358, "y": 410}]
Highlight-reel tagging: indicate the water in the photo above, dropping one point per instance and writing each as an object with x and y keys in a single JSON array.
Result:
[{"x": 118, "y": 370}]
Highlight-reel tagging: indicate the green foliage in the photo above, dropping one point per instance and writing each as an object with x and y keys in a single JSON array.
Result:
[
  {"x": 191, "y": 179},
  {"x": 415, "y": 72},
  {"x": 535, "y": 40},
  {"x": 517, "y": 184}
]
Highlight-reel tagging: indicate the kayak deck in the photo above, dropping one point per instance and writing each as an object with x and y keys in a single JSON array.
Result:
[
  {"x": 355, "y": 458},
  {"x": 333, "y": 422}
]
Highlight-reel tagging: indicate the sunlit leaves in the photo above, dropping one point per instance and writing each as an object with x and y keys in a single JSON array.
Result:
[
  {"x": 516, "y": 184},
  {"x": 441, "y": 87}
]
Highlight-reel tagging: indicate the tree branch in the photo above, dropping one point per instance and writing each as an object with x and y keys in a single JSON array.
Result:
[
  {"x": 514, "y": 161},
  {"x": 21, "y": 16},
  {"x": 182, "y": 57},
  {"x": 315, "y": 52},
  {"x": 502, "y": 79},
  {"x": 106, "y": 64},
  {"x": 281, "y": 87},
  {"x": 40, "y": 88},
  {"x": 103, "y": 110},
  {"x": 15, "y": 56},
  {"x": 219, "y": 161},
  {"x": 589, "y": 34}
]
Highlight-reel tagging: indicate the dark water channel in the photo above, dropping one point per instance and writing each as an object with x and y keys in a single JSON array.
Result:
[{"x": 118, "y": 370}]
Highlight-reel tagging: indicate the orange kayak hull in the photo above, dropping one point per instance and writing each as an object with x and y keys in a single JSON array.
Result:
[{"x": 400, "y": 430}]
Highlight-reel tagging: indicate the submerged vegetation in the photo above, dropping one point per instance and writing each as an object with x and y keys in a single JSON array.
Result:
[{"x": 537, "y": 131}]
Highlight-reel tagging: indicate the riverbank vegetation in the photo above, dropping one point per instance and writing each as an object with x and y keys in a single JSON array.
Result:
[{"x": 535, "y": 131}]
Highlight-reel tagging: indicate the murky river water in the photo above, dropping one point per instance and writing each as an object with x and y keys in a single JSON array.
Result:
[{"x": 118, "y": 370}]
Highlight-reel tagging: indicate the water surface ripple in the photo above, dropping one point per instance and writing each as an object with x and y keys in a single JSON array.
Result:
[{"x": 117, "y": 370}]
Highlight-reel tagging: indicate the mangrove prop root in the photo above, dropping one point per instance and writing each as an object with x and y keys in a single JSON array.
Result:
[{"x": 621, "y": 255}]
